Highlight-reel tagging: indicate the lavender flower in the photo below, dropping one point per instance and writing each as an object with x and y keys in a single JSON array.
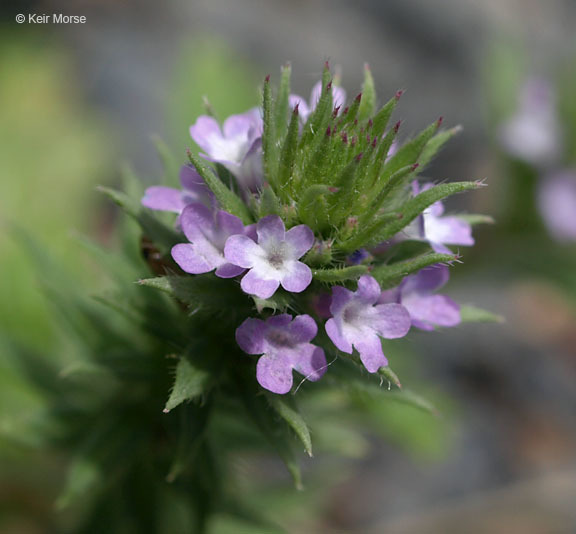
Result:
[
  {"x": 237, "y": 146},
  {"x": 438, "y": 229},
  {"x": 207, "y": 232},
  {"x": 274, "y": 259},
  {"x": 170, "y": 199},
  {"x": 285, "y": 345},
  {"x": 415, "y": 293},
  {"x": 557, "y": 204},
  {"x": 304, "y": 110},
  {"x": 533, "y": 133},
  {"x": 358, "y": 322}
]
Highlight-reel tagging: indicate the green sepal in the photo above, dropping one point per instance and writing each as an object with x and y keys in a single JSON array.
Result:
[
  {"x": 435, "y": 144},
  {"x": 286, "y": 409},
  {"x": 229, "y": 201},
  {"x": 416, "y": 205},
  {"x": 473, "y": 314},
  {"x": 288, "y": 157},
  {"x": 191, "y": 381},
  {"x": 473, "y": 219},
  {"x": 313, "y": 206},
  {"x": 269, "y": 203},
  {"x": 409, "y": 153},
  {"x": 281, "y": 109},
  {"x": 368, "y": 234},
  {"x": 269, "y": 158},
  {"x": 368, "y": 102},
  {"x": 340, "y": 274},
  {"x": 391, "y": 275},
  {"x": 320, "y": 118},
  {"x": 382, "y": 118},
  {"x": 280, "y": 301}
]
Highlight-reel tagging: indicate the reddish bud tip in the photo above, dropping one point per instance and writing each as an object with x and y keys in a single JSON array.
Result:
[
  {"x": 188, "y": 152},
  {"x": 366, "y": 66},
  {"x": 327, "y": 65},
  {"x": 370, "y": 123},
  {"x": 346, "y": 109},
  {"x": 296, "y": 108},
  {"x": 345, "y": 137},
  {"x": 359, "y": 156},
  {"x": 358, "y": 98},
  {"x": 328, "y": 131},
  {"x": 333, "y": 189},
  {"x": 439, "y": 122},
  {"x": 267, "y": 79},
  {"x": 374, "y": 142},
  {"x": 368, "y": 138},
  {"x": 355, "y": 122},
  {"x": 353, "y": 141},
  {"x": 329, "y": 86},
  {"x": 399, "y": 94},
  {"x": 415, "y": 166},
  {"x": 397, "y": 126},
  {"x": 335, "y": 111}
]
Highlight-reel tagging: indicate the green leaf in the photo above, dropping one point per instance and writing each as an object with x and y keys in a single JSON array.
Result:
[
  {"x": 268, "y": 134},
  {"x": 293, "y": 418},
  {"x": 415, "y": 206},
  {"x": 190, "y": 383},
  {"x": 288, "y": 157},
  {"x": 435, "y": 144},
  {"x": 313, "y": 206},
  {"x": 229, "y": 201},
  {"x": 340, "y": 274},
  {"x": 383, "y": 116},
  {"x": 472, "y": 314},
  {"x": 391, "y": 275},
  {"x": 269, "y": 203}
]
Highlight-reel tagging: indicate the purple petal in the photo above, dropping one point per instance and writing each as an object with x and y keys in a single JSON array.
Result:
[
  {"x": 336, "y": 336},
  {"x": 163, "y": 199},
  {"x": 370, "y": 350},
  {"x": 433, "y": 310},
  {"x": 229, "y": 224},
  {"x": 390, "y": 296},
  {"x": 279, "y": 321},
  {"x": 254, "y": 285},
  {"x": 189, "y": 260},
  {"x": 227, "y": 270},
  {"x": 243, "y": 124},
  {"x": 205, "y": 131},
  {"x": 391, "y": 321},
  {"x": 298, "y": 277},
  {"x": 340, "y": 297},
  {"x": 368, "y": 289},
  {"x": 427, "y": 280},
  {"x": 250, "y": 336},
  {"x": 274, "y": 372},
  {"x": 310, "y": 362},
  {"x": 241, "y": 250},
  {"x": 190, "y": 179},
  {"x": 270, "y": 229},
  {"x": 557, "y": 204},
  {"x": 448, "y": 230},
  {"x": 197, "y": 221},
  {"x": 300, "y": 238},
  {"x": 303, "y": 329}
]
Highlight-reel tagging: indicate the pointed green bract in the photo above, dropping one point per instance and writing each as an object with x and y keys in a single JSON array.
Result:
[
  {"x": 473, "y": 314},
  {"x": 391, "y": 275},
  {"x": 368, "y": 103},
  {"x": 340, "y": 274},
  {"x": 190, "y": 383},
  {"x": 435, "y": 145},
  {"x": 288, "y": 411}
]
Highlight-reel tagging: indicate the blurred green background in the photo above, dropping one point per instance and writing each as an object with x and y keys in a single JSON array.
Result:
[{"x": 78, "y": 102}]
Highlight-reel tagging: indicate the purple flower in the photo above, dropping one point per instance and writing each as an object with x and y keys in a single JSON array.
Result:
[
  {"x": 285, "y": 345},
  {"x": 273, "y": 260},
  {"x": 533, "y": 132},
  {"x": 557, "y": 204},
  {"x": 415, "y": 293},
  {"x": 207, "y": 232},
  {"x": 360, "y": 323},
  {"x": 439, "y": 229},
  {"x": 170, "y": 199},
  {"x": 237, "y": 146},
  {"x": 304, "y": 110}
]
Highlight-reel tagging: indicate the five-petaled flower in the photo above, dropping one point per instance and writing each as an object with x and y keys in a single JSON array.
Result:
[
  {"x": 207, "y": 232},
  {"x": 237, "y": 145},
  {"x": 359, "y": 322},
  {"x": 285, "y": 345},
  {"x": 439, "y": 229},
  {"x": 415, "y": 293},
  {"x": 194, "y": 189},
  {"x": 273, "y": 260}
]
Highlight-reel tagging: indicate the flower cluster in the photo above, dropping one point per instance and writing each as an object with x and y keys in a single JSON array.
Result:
[{"x": 322, "y": 193}]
